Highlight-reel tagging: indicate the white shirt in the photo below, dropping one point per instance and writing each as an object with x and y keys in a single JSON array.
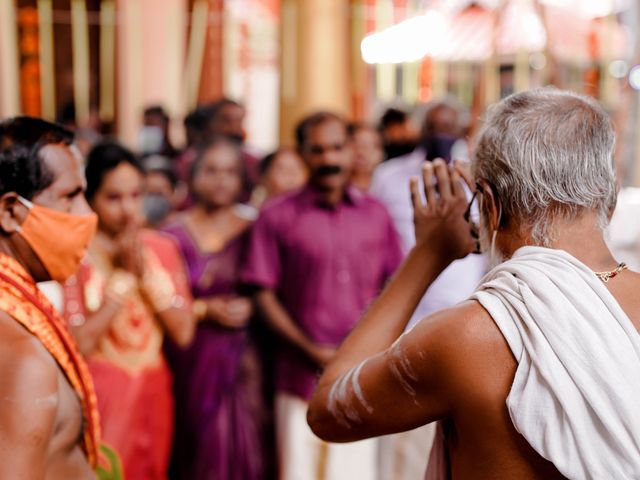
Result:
[
  {"x": 457, "y": 282},
  {"x": 623, "y": 234}
]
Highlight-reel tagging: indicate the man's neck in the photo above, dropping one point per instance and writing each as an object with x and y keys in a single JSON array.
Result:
[
  {"x": 362, "y": 181},
  {"x": 581, "y": 238},
  {"x": 7, "y": 248},
  {"x": 332, "y": 196}
]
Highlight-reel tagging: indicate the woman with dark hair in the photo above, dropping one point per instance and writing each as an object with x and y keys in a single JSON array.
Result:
[
  {"x": 280, "y": 172},
  {"x": 217, "y": 381},
  {"x": 130, "y": 292}
]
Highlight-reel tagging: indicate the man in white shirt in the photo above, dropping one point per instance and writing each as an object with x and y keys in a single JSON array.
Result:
[{"x": 402, "y": 455}]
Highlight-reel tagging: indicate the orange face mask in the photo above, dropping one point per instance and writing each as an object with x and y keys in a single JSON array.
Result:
[{"x": 59, "y": 239}]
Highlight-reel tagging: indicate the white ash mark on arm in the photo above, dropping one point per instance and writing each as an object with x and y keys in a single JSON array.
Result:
[
  {"x": 346, "y": 397},
  {"x": 402, "y": 370}
]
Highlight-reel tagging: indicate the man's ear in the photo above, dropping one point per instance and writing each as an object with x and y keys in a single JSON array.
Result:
[
  {"x": 492, "y": 207},
  {"x": 11, "y": 213}
]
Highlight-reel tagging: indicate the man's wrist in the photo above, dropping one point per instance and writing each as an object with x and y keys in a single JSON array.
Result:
[{"x": 426, "y": 255}]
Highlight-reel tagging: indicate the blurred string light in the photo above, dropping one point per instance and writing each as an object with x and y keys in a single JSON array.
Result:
[
  {"x": 538, "y": 61},
  {"x": 461, "y": 36},
  {"x": 634, "y": 77},
  {"x": 618, "y": 68},
  {"x": 591, "y": 8},
  {"x": 407, "y": 41},
  {"x": 437, "y": 33}
]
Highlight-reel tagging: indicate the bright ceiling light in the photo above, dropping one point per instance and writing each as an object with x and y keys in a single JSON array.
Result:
[
  {"x": 408, "y": 41},
  {"x": 591, "y": 8},
  {"x": 634, "y": 77}
]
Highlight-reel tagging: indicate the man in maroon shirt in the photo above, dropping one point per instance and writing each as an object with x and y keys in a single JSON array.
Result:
[{"x": 318, "y": 257}]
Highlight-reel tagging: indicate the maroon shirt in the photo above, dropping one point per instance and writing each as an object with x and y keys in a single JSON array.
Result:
[{"x": 326, "y": 264}]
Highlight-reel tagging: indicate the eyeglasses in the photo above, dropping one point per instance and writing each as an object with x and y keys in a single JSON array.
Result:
[{"x": 473, "y": 209}]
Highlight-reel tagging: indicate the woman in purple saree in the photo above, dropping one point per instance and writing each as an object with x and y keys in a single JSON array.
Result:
[{"x": 219, "y": 411}]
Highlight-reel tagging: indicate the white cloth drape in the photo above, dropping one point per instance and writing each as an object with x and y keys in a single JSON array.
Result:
[{"x": 576, "y": 392}]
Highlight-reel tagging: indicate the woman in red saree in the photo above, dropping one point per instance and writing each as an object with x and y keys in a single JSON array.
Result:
[{"x": 130, "y": 292}]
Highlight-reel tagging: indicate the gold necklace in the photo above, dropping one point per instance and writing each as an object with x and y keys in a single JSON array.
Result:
[{"x": 606, "y": 276}]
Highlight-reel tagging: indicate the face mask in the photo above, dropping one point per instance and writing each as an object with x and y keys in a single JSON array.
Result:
[
  {"x": 156, "y": 208},
  {"x": 59, "y": 239},
  {"x": 150, "y": 139},
  {"x": 438, "y": 146}
]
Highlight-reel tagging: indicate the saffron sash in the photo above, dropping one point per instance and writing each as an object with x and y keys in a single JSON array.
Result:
[{"x": 21, "y": 299}]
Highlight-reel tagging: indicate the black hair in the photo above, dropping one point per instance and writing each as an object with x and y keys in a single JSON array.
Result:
[
  {"x": 160, "y": 164},
  {"x": 22, "y": 169},
  {"x": 157, "y": 110},
  {"x": 267, "y": 162},
  {"x": 214, "y": 108},
  {"x": 196, "y": 120},
  {"x": 104, "y": 157},
  {"x": 67, "y": 114},
  {"x": 311, "y": 121},
  {"x": 392, "y": 116}
]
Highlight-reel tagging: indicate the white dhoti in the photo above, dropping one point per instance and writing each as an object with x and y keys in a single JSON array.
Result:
[
  {"x": 303, "y": 456},
  {"x": 404, "y": 456},
  {"x": 576, "y": 392}
]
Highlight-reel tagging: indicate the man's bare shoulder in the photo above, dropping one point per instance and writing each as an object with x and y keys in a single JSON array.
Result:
[
  {"x": 26, "y": 367},
  {"x": 461, "y": 346},
  {"x": 466, "y": 325}
]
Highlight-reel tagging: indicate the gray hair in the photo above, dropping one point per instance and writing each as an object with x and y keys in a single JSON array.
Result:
[{"x": 548, "y": 154}]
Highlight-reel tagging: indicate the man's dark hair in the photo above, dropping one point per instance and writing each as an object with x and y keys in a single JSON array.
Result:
[
  {"x": 157, "y": 110},
  {"x": 392, "y": 116},
  {"x": 103, "y": 158},
  {"x": 311, "y": 121},
  {"x": 67, "y": 114},
  {"x": 196, "y": 120},
  {"x": 22, "y": 169},
  {"x": 216, "y": 107}
]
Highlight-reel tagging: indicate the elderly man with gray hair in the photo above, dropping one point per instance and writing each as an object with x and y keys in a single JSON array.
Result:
[{"x": 537, "y": 375}]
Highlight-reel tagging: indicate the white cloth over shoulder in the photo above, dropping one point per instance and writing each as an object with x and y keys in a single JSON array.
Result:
[{"x": 576, "y": 392}]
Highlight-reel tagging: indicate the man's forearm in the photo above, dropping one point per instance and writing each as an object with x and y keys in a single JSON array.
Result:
[
  {"x": 388, "y": 316},
  {"x": 89, "y": 333},
  {"x": 281, "y": 322},
  {"x": 179, "y": 324}
]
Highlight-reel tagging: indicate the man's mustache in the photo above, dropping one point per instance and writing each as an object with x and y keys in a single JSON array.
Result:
[{"x": 326, "y": 170}]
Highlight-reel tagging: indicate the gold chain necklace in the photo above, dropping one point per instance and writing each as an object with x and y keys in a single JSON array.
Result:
[{"x": 606, "y": 276}]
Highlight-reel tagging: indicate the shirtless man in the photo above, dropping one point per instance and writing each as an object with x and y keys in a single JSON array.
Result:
[
  {"x": 47, "y": 430},
  {"x": 545, "y": 177}
]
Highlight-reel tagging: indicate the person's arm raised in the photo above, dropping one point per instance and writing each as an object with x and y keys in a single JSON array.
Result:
[{"x": 374, "y": 386}]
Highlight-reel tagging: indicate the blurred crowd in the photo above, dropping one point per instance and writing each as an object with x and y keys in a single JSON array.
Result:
[{"x": 222, "y": 280}]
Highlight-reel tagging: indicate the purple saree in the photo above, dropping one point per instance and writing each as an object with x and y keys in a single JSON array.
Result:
[{"x": 219, "y": 411}]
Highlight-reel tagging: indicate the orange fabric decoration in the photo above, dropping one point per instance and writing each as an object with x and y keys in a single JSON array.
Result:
[{"x": 21, "y": 299}]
